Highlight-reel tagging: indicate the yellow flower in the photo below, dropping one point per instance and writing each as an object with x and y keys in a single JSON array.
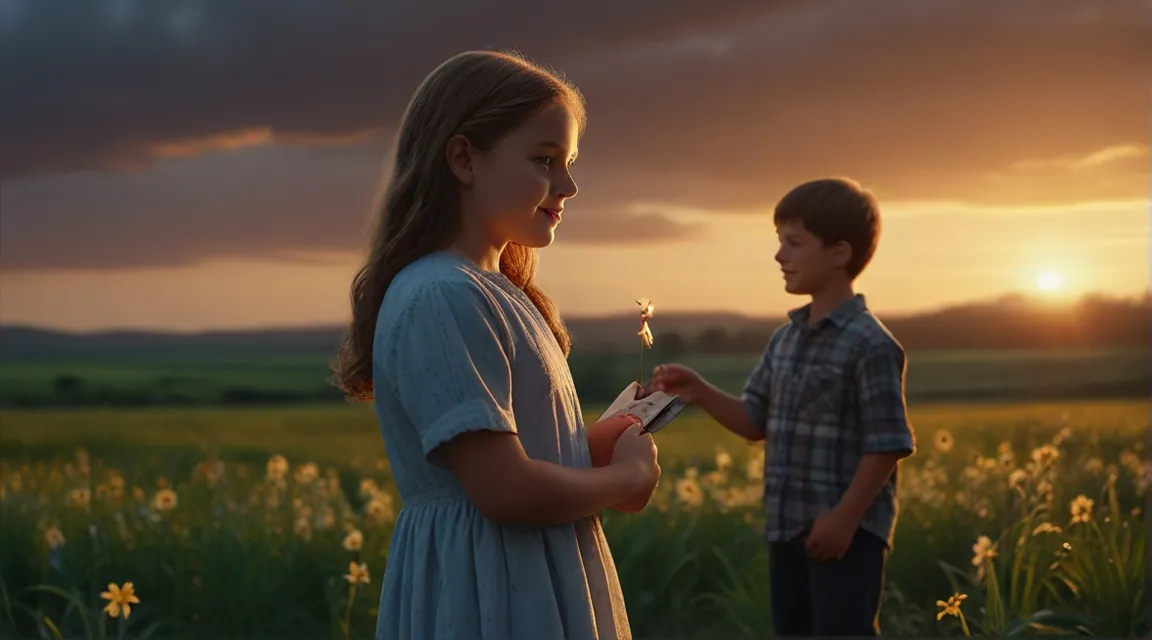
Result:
[
  {"x": 354, "y": 541},
  {"x": 1082, "y": 509},
  {"x": 368, "y": 487},
  {"x": 1046, "y": 527},
  {"x": 952, "y": 607},
  {"x": 119, "y": 599},
  {"x": 54, "y": 537},
  {"x": 723, "y": 460},
  {"x": 1045, "y": 454},
  {"x": 943, "y": 441},
  {"x": 1017, "y": 477},
  {"x": 277, "y": 467},
  {"x": 307, "y": 473},
  {"x": 357, "y": 573},
  {"x": 80, "y": 497},
  {"x": 982, "y": 550},
  {"x": 164, "y": 500},
  {"x": 380, "y": 507},
  {"x": 688, "y": 490}
]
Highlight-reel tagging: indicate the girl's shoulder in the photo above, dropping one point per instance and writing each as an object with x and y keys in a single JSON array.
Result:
[{"x": 439, "y": 284}]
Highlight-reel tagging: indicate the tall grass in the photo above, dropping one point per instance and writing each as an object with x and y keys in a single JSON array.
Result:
[{"x": 1039, "y": 537}]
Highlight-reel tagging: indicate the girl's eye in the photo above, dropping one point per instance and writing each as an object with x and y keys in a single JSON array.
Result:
[{"x": 544, "y": 160}]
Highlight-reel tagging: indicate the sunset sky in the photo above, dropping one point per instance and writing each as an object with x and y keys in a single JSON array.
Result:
[{"x": 208, "y": 164}]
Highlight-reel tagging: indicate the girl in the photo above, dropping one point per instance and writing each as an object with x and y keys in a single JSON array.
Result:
[{"x": 465, "y": 359}]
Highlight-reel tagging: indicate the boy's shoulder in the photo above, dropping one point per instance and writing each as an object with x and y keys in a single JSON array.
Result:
[{"x": 868, "y": 339}]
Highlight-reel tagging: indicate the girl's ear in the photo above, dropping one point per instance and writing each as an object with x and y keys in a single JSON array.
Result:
[{"x": 458, "y": 153}]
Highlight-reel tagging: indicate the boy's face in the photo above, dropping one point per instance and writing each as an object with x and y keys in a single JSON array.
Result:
[{"x": 808, "y": 266}]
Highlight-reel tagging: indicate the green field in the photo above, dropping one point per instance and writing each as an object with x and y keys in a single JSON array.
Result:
[
  {"x": 244, "y": 555},
  {"x": 233, "y": 379}
]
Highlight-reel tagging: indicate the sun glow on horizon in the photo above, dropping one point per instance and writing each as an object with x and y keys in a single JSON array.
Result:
[{"x": 1049, "y": 281}]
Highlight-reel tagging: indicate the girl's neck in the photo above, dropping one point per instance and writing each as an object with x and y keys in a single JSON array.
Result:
[{"x": 484, "y": 254}]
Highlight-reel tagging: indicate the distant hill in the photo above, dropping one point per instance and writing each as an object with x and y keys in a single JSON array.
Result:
[{"x": 1009, "y": 322}]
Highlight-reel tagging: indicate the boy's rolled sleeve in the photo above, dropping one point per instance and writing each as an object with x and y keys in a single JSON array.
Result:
[{"x": 880, "y": 375}]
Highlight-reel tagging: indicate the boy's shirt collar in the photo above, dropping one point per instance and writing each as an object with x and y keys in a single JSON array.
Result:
[{"x": 839, "y": 316}]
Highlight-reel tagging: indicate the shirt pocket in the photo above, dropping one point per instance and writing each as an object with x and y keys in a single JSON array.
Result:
[{"x": 820, "y": 396}]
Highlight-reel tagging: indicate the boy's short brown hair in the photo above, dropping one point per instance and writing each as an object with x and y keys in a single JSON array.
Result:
[{"x": 836, "y": 210}]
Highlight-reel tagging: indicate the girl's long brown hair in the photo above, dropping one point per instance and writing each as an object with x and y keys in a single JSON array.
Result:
[{"x": 482, "y": 95}]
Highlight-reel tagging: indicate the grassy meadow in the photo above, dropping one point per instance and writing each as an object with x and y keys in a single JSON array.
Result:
[
  {"x": 240, "y": 377},
  {"x": 256, "y": 522}
]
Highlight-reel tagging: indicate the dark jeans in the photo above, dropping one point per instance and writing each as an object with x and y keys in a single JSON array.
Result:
[{"x": 834, "y": 598}]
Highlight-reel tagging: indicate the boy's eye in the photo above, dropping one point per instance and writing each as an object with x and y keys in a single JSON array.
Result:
[{"x": 544, "y": 160}]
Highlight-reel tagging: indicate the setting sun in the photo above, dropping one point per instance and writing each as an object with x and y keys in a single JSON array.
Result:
[{"x": 1049, "y": 281}]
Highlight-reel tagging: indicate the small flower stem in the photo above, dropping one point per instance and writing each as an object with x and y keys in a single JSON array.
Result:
[
  {"x": 963, "y": 624},
  {"x": 348, "y": 611},
  {"x": 640, "y": 371}
]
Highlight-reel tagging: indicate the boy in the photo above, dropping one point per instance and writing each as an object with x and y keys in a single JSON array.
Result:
[{"x": 828, "y": 399}]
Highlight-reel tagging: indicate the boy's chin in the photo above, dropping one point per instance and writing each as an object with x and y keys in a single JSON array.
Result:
[{"x": 795, "y": 289}]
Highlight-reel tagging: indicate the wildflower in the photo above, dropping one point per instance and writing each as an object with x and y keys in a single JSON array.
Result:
[
  {"x": 354, "y": 541},
  {"x": 645, "y": 334},
  {"x": 951, "y": 607},
  {"x": 164, "y": 500},
  {"x": 302, "y": 528},
  {"x": 277, "y": 467},
  {"x": 689, "y": 493},
  {"x": 943, "y": 441},
  {"x": 307, "y": 473},
  {"x": 983, "y": 550},
  {"x": 1004, "y": 452},
  {"x": 80, "y": 497},
  {"x": 357, "y": 573},
  {"x": 1046, "y": 527},
  {"x": 1081, "y": 509},
  {"x": 209, "y": 472},
  {"x": 368, "y": 488},
  {"x": 1044, "y": 491},
  {"x": 54, "y": 537},
  {"x": 1094, "y": 465},
  {"x": 1045, "y": 454},
  {"x": 755, "y": 466},
  {"x": 380, "y": 508},
  {"x": 1017, "y": 478},
  {"x": 723, "y": 460},
  {"x": 120, "y": 599}
]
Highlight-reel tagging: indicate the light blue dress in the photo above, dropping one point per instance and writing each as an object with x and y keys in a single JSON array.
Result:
[{"x": 461, "y": 349}]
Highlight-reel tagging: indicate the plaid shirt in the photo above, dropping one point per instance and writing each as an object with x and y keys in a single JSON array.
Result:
[{"x": 824, "y": 395}]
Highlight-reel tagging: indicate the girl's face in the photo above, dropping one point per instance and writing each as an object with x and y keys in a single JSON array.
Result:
[{"x": 516, "y": 192}]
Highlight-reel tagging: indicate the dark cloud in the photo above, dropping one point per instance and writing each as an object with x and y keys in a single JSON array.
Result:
[
  {"x": 100, "y": 82},
  {"x": 718, "y": 106}
]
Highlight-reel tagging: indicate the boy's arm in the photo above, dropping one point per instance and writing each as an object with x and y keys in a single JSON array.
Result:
[
  {"x": 887, "y": 434},
  {"x": 747, "y": 414},
  {"x": 731, "y": 412}
]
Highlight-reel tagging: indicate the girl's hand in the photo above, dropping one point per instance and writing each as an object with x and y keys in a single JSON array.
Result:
[{"x": 637, "y": 449}]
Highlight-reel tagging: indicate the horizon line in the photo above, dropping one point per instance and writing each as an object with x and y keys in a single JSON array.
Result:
[{"x": 1037, "y": 299}]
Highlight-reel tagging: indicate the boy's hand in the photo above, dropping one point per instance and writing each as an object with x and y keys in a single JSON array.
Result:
[
  {"x": 830, "y": 536},
  {"x": 678, "y": 380}
]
